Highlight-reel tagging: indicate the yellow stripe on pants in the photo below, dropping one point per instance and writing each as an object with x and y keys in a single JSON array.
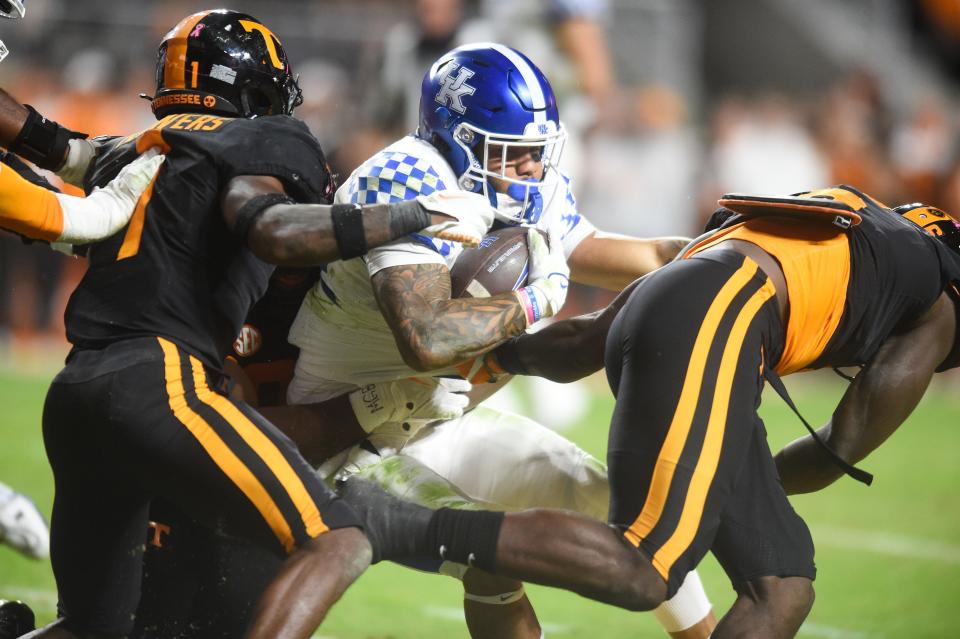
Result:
[
  {"x": 217, "y": 449},
  {"x": 686, "y": 406},
  {"x": 709, "y": 459}
]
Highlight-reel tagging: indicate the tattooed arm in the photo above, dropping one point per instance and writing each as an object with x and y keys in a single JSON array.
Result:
[
  {"x": 432, "y": 330},
  {"x": 303, "y": 234}
]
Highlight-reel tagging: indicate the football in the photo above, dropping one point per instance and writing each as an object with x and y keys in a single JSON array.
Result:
[{"x": 498, "y": 265}]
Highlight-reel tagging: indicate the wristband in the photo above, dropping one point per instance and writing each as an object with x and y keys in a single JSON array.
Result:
[
  {"x": 253, "y": 209},
  {"x": 528, "y": 300},
  {"x": 348, "y": 230},
  {"x": 43, "y": 141},
  {"x": 407, "y": 217}
]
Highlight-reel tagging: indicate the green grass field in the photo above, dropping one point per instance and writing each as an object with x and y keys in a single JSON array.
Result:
[{"x": 888, "y": 556}]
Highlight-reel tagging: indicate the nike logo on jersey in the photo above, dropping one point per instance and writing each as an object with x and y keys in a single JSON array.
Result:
[{"x": 453, "y": 89}]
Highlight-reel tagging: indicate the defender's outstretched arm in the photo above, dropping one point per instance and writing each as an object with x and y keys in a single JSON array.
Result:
[
  {"x": 285, "y": 233},
  {"x": 878, "y": 401},
  {"x": 566, "y": 350}
]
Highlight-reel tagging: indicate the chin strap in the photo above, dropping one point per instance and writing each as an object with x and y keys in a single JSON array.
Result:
[{"x": 861, "y": 476}]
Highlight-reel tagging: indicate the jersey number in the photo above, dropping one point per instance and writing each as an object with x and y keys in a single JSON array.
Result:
[{"x": 131, "y": 240}]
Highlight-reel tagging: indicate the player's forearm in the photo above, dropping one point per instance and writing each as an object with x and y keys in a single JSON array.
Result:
[
  {"x": 804, "y": 467},
  {"x": 563, "y": 352},
  {"x": 12, "y": 117},
  {"x": 435, "y": 337},
  {"x": 42, "y": 141},
  {"x": 875, "y": 405},
  {"x": 281, "y": 232},
  {"x": 310, "y": 234},
  {"x": 612, "y": 261}
]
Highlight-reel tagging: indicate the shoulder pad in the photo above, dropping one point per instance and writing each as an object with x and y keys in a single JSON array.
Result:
[{"x": 819, "y": 206}]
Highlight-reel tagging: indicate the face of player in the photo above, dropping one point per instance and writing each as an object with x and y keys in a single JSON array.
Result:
[{"x": 517, "y": 163}]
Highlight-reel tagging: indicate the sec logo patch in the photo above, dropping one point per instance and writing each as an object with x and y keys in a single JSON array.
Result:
[{"x": 248, "y": 342}]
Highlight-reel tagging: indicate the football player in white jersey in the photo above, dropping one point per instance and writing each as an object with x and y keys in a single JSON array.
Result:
[{"x": 488, "y": 124}]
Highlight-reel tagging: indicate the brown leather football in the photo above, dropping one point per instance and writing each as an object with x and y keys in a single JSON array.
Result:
[{"x": 498, "y": 265}]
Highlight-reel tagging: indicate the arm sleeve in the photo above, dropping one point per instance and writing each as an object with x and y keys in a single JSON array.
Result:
[{"x": 30, "y": 210}]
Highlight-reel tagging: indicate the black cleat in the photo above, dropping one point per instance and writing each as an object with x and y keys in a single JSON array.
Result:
[
  {"x": 16, "y": 619},
  {"x": 396, "y": 529}
]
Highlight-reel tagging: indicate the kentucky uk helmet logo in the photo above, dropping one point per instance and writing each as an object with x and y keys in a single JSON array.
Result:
[{"x": 452, "y": 89}]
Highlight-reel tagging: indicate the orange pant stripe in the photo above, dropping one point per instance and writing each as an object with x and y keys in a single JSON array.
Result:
[
  {"x": 686, "y": 407},
  {"x": 219, "y": 452},
  {"x": 709, "y": 458},
  {"x": 265, "y": 449}
]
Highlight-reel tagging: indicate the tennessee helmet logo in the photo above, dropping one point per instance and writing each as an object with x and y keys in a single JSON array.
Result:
[
  {"x": 453, "y": 89},
  {"x": 248, "y": 342}
]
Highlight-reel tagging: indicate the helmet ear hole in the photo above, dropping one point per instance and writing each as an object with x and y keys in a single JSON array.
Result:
[{"x": 257, "y": 102}]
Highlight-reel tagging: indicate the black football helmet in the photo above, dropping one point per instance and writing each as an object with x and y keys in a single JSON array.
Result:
[
  {"x": 223, "y": 62},
  {"x": 934, "y": 221}
]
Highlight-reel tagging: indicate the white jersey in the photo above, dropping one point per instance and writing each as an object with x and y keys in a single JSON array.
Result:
[{"x": 344, "y": 340}]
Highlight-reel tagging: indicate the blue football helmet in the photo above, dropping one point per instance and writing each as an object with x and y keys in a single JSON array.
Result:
[{"x": 487, "y": 98}]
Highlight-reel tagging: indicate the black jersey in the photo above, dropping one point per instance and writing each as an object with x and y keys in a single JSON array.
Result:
[
  {"x": 176, "y": 271},
  {"x": 262, "y": 349},
  {"x": 898, "y": 271},
  {"x": 847, "y": 290}
]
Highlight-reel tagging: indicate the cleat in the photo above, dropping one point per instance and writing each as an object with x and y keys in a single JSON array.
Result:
[
  {"x": 392, "y": 526},
  {"x": 22, "y": 527},
  {"x": 16, "y": 619}
]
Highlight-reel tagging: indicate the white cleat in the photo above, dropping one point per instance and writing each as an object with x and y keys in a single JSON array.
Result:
[{"x": 22, "y": 527}]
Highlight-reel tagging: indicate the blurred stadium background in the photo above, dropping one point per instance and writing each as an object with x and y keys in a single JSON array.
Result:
[{"x": 671, "y": 103}]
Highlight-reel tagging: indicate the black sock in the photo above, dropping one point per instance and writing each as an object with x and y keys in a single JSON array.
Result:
[{"x": 465, "y": 536}]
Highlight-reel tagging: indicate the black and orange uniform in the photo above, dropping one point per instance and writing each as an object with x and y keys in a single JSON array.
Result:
[
  {"x": 140, "y": 410},
  {"x": 198, "y": 582},
  {"x": 690, "y": 468}
]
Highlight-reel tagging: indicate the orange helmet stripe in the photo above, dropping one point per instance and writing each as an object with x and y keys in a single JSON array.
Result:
[{"x": 175, "y": 66}]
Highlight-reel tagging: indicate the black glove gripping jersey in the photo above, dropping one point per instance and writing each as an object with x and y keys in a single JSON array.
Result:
[{"x": 176, "y": 271}]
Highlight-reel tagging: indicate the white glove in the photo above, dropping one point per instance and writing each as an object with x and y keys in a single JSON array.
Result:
[
  {"x": 417, "y": 399},
  {"x": 549, "y": 277},
  {"x": 472, "y": 212},
  {"x": 107, "y": 210},
  {"x": 80, "y": 153}
]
